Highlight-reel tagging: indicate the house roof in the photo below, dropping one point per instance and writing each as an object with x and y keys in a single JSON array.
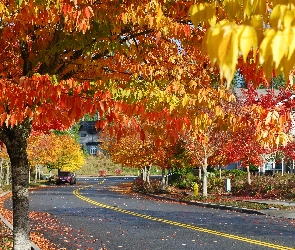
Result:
[{"x": 89, "y": 127}]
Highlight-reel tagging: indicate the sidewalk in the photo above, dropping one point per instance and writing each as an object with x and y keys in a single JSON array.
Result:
[
  {"x": 275, "y": 212},
  {"x": 290, "y": 214}
]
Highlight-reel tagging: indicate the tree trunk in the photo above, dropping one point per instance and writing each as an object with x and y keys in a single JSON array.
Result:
[
  {"x": 205, "y": 181},
  {"x": 163, "y": 179},
  {"x": 36, "y": 174},
  {"x": 148, "y": 174},
  {"x": 144, "y": 174},
  {"x": 7, "y": 173},
  {"x": 167, "y": 177},
  {"x": 15, "y": 140},
  {"x": 248, "y": 175}
]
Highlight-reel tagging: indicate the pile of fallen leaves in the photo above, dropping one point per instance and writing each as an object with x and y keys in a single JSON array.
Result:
[
  {"x": 5, "y": 236},
  {"x": 6, "y": 233}
]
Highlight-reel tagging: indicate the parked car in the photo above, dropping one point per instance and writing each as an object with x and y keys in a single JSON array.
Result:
[{"x": 66, "y": 177}]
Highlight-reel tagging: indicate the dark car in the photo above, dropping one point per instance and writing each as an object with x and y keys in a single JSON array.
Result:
[{"x": 66, "y": 177}]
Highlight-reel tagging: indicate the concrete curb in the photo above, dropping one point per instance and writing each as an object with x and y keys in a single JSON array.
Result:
[
  {"x": 209, "y": 205},
  {"x": 33, "y": 245}
]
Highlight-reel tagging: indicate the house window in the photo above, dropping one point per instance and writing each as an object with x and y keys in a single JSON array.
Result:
[
  {"x": 93, "y": 150},
  {"x": 83, "y": 134}
]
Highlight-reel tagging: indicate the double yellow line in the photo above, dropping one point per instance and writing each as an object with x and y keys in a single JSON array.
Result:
[{"x": 179, "y": 224}]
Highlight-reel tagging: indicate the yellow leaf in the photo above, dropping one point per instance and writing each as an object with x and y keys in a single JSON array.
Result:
[
  {"x": 202, "y": 13},
  {"x": 247, "y": 40},
  {"x": 288, "y": 18},
  {"x": 265, "y": 46},
  {"x": 231, "y": 8},
  {"x": 257, "y": 23},
  {"x": 291, "y": 43},
  {"x": 229, "y": 66},
  {"x": 195, "y": 14},
  {"x": 278, "y": 47},
  {"x": 214, "y": 34},
  {"x": 261, "y": 7},
  {"x": 210, "y": 13},
  {"x": 275, "y": 16},
  {"x": 288, "y": 61},
  {"x": 223, "y": 45}
]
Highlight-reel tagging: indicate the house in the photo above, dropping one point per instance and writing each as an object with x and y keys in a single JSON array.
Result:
[{"x": 88, "y": 137}]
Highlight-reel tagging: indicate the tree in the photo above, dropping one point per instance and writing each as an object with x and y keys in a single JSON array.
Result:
[
  {"x": 261, "y": 118},
  {"x": 70, "y": 156},
  {"x": 43, "y": 149},
  {"x": 131, "y": 151},
  {"x": 55, "y": 151},
  {"x": 60, "y": 59},
  {"x": 204, "y": 144}
]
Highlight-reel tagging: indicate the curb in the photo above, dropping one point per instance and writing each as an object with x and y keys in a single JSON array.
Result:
[
  {"x": 209, "y": 205},
  {"x": 33, "y": 245}
]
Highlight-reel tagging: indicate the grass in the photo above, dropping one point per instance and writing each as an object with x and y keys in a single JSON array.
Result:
[{"x": 102, "y": 162}]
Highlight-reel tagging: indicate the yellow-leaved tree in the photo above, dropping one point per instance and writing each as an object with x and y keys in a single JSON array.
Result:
[
  {"x": 55, "y": 151},
  {"x": 70, "y": 157}
]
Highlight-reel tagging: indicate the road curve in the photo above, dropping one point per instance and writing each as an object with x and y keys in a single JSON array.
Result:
[{"x": 91, "y": 216}]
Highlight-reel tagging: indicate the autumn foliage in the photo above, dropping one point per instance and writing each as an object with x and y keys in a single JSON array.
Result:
[
  {"x": 135, "y": 61},
  {"x": 55, "y": 151}
]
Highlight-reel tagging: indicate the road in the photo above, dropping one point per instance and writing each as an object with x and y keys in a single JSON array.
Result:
[{"x": 91, "y": 216}]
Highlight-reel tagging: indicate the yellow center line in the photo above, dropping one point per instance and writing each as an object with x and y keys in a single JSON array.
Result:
[{"x": 179, "y": 224}]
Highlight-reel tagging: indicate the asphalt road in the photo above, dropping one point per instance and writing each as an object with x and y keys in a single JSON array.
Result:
[{"x": 94, "y": 217}]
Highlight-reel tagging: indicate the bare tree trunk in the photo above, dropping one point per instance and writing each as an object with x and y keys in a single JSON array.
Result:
[
  {"x": 200, "y": 173},
  {"x": 148, "y": 174},
  {"x": 248, "y": 175},
  {"x": 39, "y": 173},
  {"x": 205, "y": 181},
  {"x": 36, "y": 174},
  {"x": 163, "y": 179},
  {"x": 15, "y": 139},
  {"x": 167, "y": 176},
  {"x": 144, "y": 173}
]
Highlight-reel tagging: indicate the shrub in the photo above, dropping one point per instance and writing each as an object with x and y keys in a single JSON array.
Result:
[
  {"x": 268, "y": 187},
  {"x": 152, "y": 187},
  {"x": 182, "y": 184},
  {"x": 102, "y": 173},
  {"x": 118, "y": 171}
]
